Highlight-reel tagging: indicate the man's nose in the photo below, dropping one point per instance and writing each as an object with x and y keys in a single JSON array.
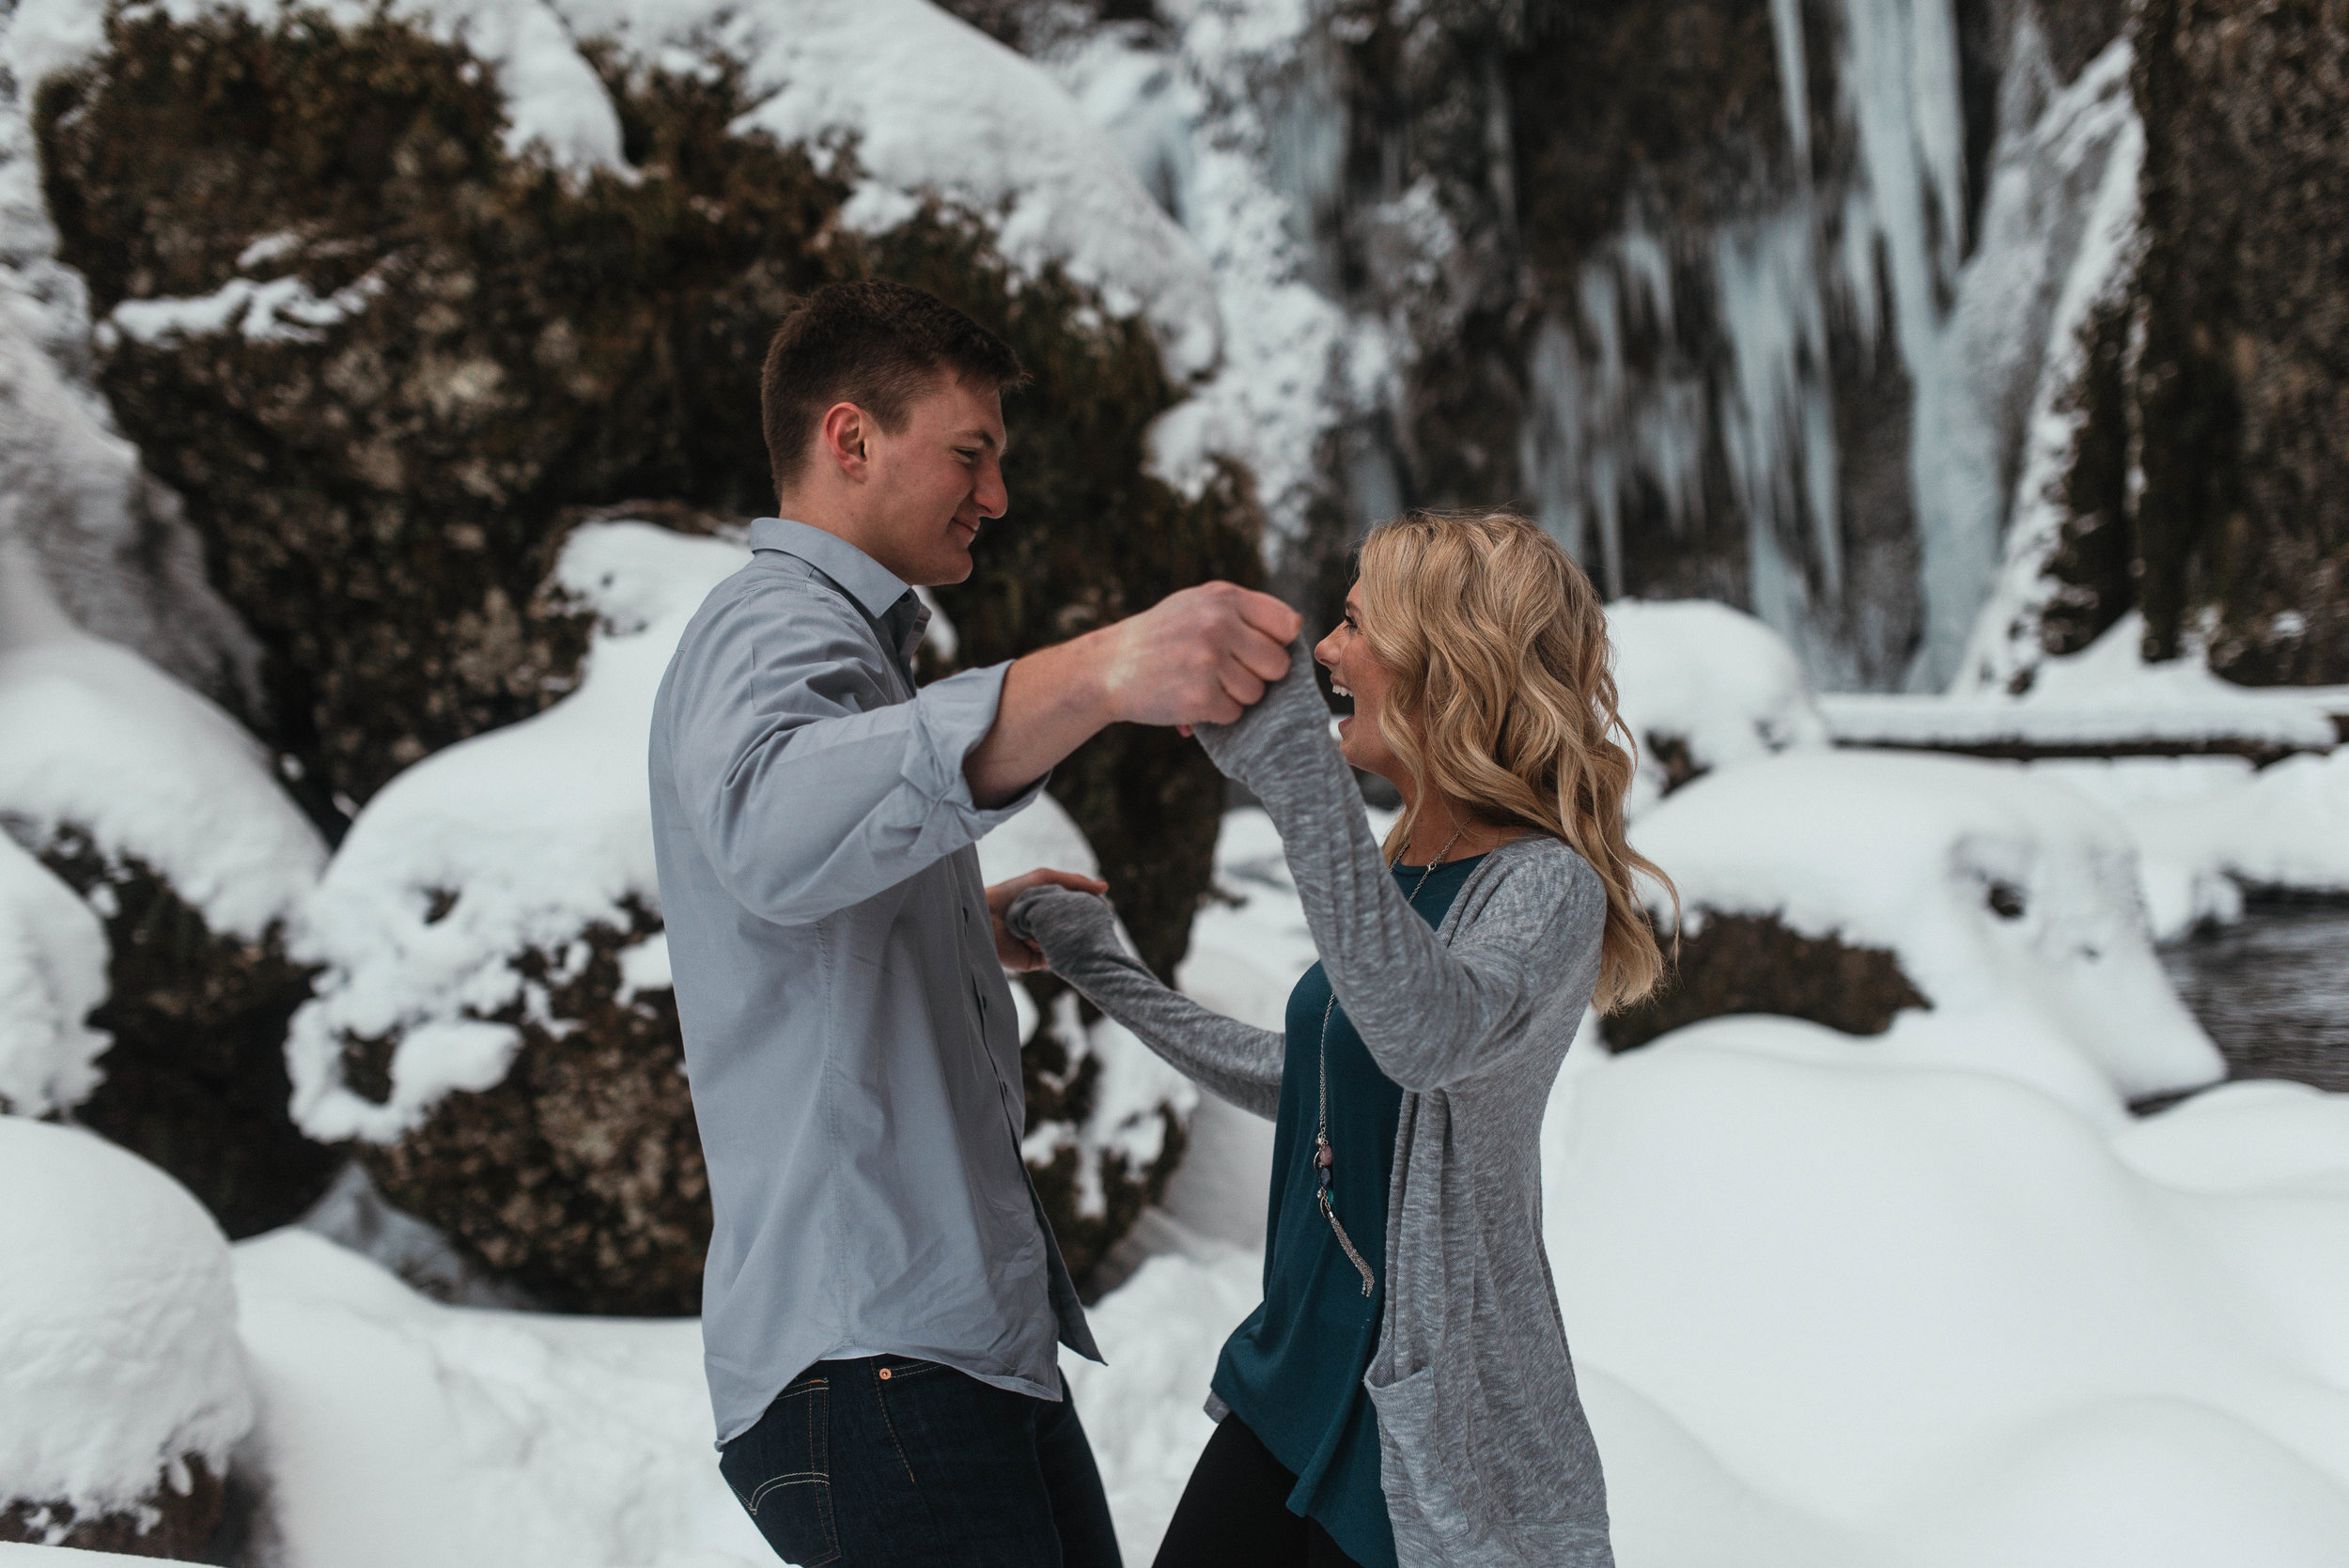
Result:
[{"x": 992, "y": 496}]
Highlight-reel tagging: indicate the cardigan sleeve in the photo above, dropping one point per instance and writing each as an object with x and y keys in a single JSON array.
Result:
[
  {"x": 1430, "y": 1016},
  {"x": 1078, "y": 933}
]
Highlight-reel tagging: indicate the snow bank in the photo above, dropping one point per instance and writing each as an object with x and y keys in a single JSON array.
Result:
[
  {"x": 117, "y": 1354},
  {"x": 536, "y": 831},
  {"x": 395, "y": 1431},
  {"x": 98, "y": 739},
  {"x": 2010, "y": 902},
  {"x": 1716, "y": 682},
  {"x": 1916, "y": 1318},
  {"x": 52, "y": 972}
]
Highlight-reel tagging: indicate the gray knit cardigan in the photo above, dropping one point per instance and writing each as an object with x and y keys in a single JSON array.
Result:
[{"x": 1486, "y": 1458}]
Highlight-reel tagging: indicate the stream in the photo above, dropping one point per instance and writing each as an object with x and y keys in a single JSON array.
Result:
[{"x": 2273, "y": 990}]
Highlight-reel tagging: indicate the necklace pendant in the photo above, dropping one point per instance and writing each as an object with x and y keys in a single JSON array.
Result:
[{"x": 1324, "y": 1157}]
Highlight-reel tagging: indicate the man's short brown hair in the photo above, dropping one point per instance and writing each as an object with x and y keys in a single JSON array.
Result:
[{"x": 876, "y": 345}]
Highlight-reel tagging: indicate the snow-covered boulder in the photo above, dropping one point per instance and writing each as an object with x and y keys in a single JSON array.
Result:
[
  {"x": 52, "y": 975},
  {"x": 1999, "y": 898},
  {"x": 1702, "y": 686},
  {"x": 493, "y": 1021},
  {"x": 153, "y": 805},
  {"x": 122, "y": 1382}
]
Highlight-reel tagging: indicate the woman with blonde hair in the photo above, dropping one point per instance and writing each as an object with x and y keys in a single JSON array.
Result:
[{"x": 1404, "y": 1396}]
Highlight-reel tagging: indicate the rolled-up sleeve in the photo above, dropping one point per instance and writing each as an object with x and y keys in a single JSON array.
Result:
[{"x": 808, "y": 783}]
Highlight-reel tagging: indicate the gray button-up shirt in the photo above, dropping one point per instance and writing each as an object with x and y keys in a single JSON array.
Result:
[{"x": 849, "y": 1030}]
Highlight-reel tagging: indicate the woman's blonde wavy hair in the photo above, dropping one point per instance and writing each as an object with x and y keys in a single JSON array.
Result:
[{"x": 1503, "y": 699}]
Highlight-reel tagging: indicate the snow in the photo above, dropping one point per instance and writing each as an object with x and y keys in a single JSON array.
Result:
[
  {"x": 1914, "y": 1316},
  {"x": 1200, "y": 120},
  {"x": 53, "y": 972},
  {"x": 394, "y": 1431},
  {"x": 117, "y": 1353},
  {"x": 99, "y": 739},
  {"x": 2107, "y": 694},
  {"x": 1917, "y": 855},
  {"x": 1720, "y": 681},
  {"x": 544, "y": 828},
  {"x": 282, "y": 310},
  {"x": 931, "y": 105}
]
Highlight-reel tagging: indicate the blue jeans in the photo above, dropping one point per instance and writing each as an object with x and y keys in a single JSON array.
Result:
[{"x": 887, "y": 1462}]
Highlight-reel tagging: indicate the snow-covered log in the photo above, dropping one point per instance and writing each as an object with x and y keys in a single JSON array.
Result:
[
  {"x": 2008, "y": 906},
  {"x": 120, "y": 1374},
  {"x": 153, "y": 805}
]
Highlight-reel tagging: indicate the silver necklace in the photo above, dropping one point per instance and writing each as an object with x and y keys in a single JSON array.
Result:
[{"x": 1326, "y": 1157}]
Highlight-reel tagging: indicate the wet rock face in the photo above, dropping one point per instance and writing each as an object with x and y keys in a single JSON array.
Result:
[
  {"x": 195, "y": 1080},
  {"x": 173, "y": 1521},
  {"x": 1753, "y": 964},
  {"x": 578, "y": 1176},
  {"x": 2242, "y": 391}
]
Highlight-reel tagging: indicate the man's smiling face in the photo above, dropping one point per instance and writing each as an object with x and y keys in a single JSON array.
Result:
[{"x": 937, "y": 480}]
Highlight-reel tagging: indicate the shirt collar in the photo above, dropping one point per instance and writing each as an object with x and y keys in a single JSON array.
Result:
[{"x": 872, "y": 585}]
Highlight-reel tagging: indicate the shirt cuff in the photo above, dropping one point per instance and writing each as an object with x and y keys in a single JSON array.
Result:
[{"x": 951, "y": 717}]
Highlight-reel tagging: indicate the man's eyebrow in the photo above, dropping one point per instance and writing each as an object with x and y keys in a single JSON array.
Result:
[{"x": 986, "y": 437}]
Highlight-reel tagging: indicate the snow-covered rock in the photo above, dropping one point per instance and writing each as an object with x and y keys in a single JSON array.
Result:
[
  {"x": 120, "y": 1374},
  {"x": 1702, "y": 686},
  {"x": 151, "y": 803},
  {"x": 52, "y": 974},
  {"x": 493, "y": 1021},
  {"x": 2009, "y": 903}
]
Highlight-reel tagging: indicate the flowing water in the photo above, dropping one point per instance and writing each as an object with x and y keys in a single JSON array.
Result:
[{"x": 2273, "y": 989}]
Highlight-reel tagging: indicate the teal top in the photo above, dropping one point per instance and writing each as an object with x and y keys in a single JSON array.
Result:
[{"x": 1294, "y": 1371}]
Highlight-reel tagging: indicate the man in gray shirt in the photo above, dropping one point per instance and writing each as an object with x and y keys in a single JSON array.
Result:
[{"x": 883, "y": 1297}]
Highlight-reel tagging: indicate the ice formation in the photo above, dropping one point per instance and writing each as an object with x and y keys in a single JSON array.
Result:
[
  {"x": 53, "y": 972},
  {"x": 2011, "y": 904},
  {"x": 1718, "y": 683},
  {"x": 118, "y": 1357},
  {"x": 537, "y": 831},
  {"x": 2058, "y": 231}
]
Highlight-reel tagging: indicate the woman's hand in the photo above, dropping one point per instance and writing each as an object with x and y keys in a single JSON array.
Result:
[
  {"x": 1016, "y": 953},
  {"x": 1061, "y": 918}
]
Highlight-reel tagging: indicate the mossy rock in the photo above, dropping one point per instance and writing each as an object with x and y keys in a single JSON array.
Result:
[
  {"x": 196, "y": 1079},
  {"x": 1730, "y": 963},
  {"x": 380, "y": 493},
  {"x": 175, "y": 1521}
]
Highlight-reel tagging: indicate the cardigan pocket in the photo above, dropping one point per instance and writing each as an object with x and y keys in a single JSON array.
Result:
[{"x": 1424, "y": 1423}]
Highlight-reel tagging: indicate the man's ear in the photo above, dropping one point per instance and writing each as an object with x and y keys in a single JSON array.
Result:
[{"x": 842, "y": 436}]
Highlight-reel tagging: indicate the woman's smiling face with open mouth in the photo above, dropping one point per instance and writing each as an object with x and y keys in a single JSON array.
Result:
[{"x": 1355, "y": 673}]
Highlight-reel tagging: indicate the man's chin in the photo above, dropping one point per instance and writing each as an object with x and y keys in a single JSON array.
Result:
[{"x": 953, "y": 565}]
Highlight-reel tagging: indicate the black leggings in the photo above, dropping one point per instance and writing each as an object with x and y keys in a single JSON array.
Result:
[{"x": 1235, "y": 1512}]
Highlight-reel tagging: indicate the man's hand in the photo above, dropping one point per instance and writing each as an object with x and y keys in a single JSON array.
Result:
[
  {"x": 1200, "y": 656},
  {"x": 1015, "y": 954}
]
